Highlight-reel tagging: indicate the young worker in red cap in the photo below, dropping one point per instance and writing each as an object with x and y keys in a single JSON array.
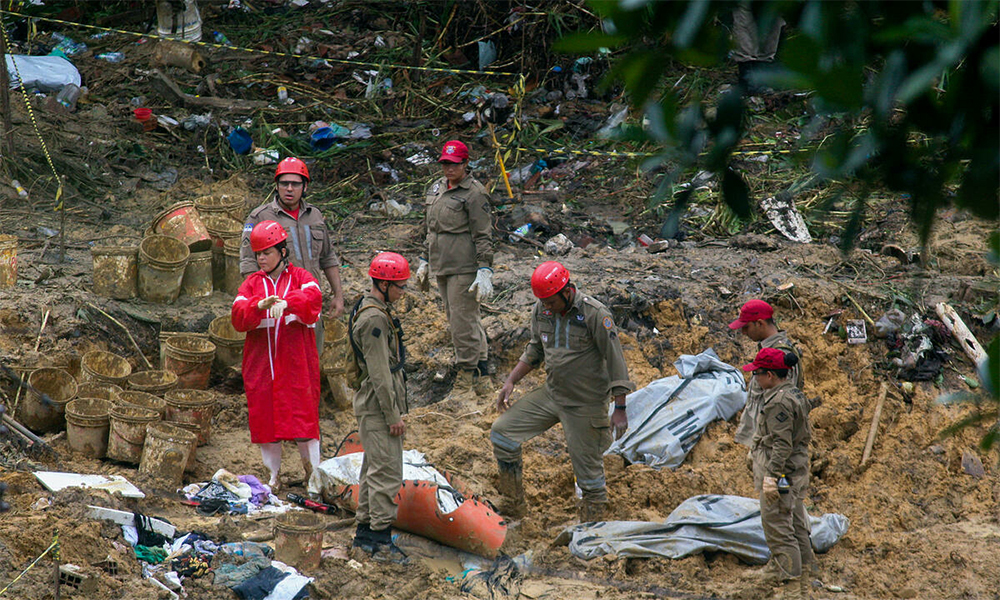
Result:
[
  {"x": 575, "y": 336},
  {"x": 278, "y": 306},
  {"x": 756, "y": 321},
  {"x": 458, "y": 251},
  {"x": 310, "y": 246},
  {"x": 781, "y": 471}
]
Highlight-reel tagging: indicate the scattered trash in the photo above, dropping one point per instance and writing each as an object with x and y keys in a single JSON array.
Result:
[
  {"x": 487, "y": 54},
  {"x": 123, "y": 517},
  {"x": 145, "y": 118},
  {"x": 220, "y": 38},
  {"x": 240, "y": 140},
  {"x": 195, "y": 122},
  {"x": 558, "y": 245},
  {"x": 387, "y": 168},
  {"x": 177, "y": 54},
  {"x": 890, "y": 322},
  {"x": 420, "y": 158},
  {"x": 23, "y": 193},
  {"x": 55, "y": 481},
  {"x": 302, "y": 45},
  {"x": 391, "y": 208},
  {"x": 282, "y": 94},
  {"x": 661, "y": 246},
  {"x": 324, "y": 137},
  {"x": 44, "y": 73},
  {"x": 644, "y": 240},
  {"x": 111, "y": 57},
  {"x": 166, "y": 121},
  {"x": 67, "y": 45},
  {"x": 856, "y": 333},
  {"x": 68, "y": 96},
  {"x": 709, "y": 523},
  {"x": 613, "y": 125},
  {"x": 263, "y": 156},
  {"x": 781, "y": 212},
  {"x": 520, "y": 233}
]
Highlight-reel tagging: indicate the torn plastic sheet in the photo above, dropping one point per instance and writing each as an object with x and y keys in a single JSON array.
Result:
[
  {"x": 668, "y": 416},
  {"x": 702, "y": 523}
]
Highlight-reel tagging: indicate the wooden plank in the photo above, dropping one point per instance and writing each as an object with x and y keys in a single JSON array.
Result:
[
  {"x": 966, "y": 338},
  {"x": 874, "y": 427},
  {"x": 123, "y": 517}
]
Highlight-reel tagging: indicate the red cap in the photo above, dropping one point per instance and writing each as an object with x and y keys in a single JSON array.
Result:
[
  {"x": 754, "y": 310},
  {"x": 768, "y": 358},
  {"x": 454, "y": 152}
]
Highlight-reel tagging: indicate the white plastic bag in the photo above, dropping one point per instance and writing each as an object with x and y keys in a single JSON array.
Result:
[{"x": 46, "y": 73}]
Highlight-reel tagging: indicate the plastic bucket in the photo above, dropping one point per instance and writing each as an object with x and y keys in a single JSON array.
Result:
[
  {"x": 98, "y": 366},
  {"x": 178, "y": 25},
  {"x": 193, "y": 429},
  {"x": 233, "y": 277},
  {"x": 128, "y": 432},
  {"x": 182, "y": 222},
  {"x": 153, "y": 382},
  {"x": 103, "y": 391},
  {"x": 166, "y": 335},
  {"x": 197, "y": 281},
  {"x": 227, "y": 230},
  {"x": 142, "y": 400},
  {"x": 40, "y": 416},
  {"x": 166, "y": 451},
  {"x": 228, "y": 342},
  {"x": 116, "y": 268},
  {"x": 298, "y": 539},
  {"x": 215, "y": 211},
  {"x": 196, "y": 407},
  {"x": 162, "y": 261},
  {"x": 333, "y": 362},
  {"x": 190, "y": 358},
  {"x": 87, "y": 426},
  {"x": 8, "y": 261}
]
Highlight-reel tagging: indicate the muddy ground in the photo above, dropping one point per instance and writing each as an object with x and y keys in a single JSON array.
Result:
[{"x": 921, "y": 525}]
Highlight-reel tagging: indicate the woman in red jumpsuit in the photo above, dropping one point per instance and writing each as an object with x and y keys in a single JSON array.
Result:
[{"x": 278, "y": 307}]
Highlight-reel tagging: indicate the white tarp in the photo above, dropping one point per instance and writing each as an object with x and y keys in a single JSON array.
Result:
[
  {"x": 46, "y": 73},
  {"x": 344, "y": 470},
  {"x": 667, "y": 417},
  {"x": 714, "y": 523}
]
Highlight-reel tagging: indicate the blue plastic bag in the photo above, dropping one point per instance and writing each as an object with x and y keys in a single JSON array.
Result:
[{"x": 240, "y": 140}]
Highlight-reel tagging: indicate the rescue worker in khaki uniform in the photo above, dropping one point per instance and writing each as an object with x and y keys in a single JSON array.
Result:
[
  {"x": 577, "y": 338},
  {"x": 309, "y": 243},
  {"x": 458, "y": 251},
  {"x": 781, "y": 468},
  {"x": 756, "y": 321},
  {"x": 380, "y": 403}
]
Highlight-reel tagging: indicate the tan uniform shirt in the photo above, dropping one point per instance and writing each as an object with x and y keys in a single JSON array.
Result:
[
  {"x": 382, "y": 391},
  {"x": 309, "y": 244},
  {"x": 748, "y": 420},
  {"x": 458, "y": 227},
  {"x": 783, "y": 433},
  {"x": 582, "y": 354}
]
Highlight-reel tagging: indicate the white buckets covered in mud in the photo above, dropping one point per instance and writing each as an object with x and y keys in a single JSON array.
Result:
[{"x": 162, "y": 261}]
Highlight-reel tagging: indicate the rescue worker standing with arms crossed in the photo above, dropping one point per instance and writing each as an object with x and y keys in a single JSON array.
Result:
[
  {"x": 781, "y": 468},
  {"x": 458, "y": 250},
  {"x": 309, "y": 243},
  {"x": 577, "y": 339},
  {"x": 380, "y": 402}
]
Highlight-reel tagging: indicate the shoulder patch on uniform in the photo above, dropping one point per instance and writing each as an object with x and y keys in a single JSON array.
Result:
[
  {"x": 376, "y": 332},
  {"x": 248, "y": 227},
  {"x": 547, "y": 312},
  {"x": 436, "y": 187},
  {"x": 781, "y": 417},
  {"x": 608, "y": 323}
]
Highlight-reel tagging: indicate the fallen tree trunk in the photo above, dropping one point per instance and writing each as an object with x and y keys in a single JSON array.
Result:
[{"x": 168, "y": 88}]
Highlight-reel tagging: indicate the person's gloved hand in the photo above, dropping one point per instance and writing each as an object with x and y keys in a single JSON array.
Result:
[
  {"x": 423, "y": 276},
  {"x": 482, "y": 286},
  {"x": 267, "y": 302},
  {"x": 770, "y": 488},
  {"x": 278, "y": 309}
]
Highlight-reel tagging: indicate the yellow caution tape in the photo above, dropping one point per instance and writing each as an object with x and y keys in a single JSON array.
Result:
[
  {"x": 53, "y": 545},
  {"x": 31, "y": 117}
]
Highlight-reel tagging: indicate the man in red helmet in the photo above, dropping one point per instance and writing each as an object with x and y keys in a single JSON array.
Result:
[
  {"x": 458, "y": 249},
  {"x": 278, "y": 307},
  {"x": 576, "y": 337},
  {"x": 380, "y": 402},
  {"x": 309, "y": 246}
]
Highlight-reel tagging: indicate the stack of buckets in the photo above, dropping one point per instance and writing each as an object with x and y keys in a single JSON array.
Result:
[
  {"x": 150, "y": 423},
  {"x": 223, "y": 216}
]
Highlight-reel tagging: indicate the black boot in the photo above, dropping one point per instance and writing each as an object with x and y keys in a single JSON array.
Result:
[
  {"x": 363, "y": 538},
  {"x": 384, "y": 549}
]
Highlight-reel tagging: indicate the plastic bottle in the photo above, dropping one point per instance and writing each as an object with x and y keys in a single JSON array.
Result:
[
  {"x": 68, "y": 96},
  {"x": 520, "y": 232},
  {"x": 645, "y": 240},
  {"x": 111, "y": 57},
  {"x": 221, "y": 38},
  {"x": 20, "y": 189},
  {"x": 282, "y": 94},
  {"x": 783, "y": 486}
]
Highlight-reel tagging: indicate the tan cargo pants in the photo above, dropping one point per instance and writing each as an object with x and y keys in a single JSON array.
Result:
[
  {"x": 786, "y": 524},
  {"x": 587, "y": 430},
  {"x": 462, "y": 311},
  {"x": 381, "y": 472}
]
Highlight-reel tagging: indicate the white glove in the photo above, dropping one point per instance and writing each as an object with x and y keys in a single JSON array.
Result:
[
  {"x": 267, "y": 302},
  {"x": 482, "y": 286},
  {"x": 277, "y": 309},
  {"x": 422, "y": 275}
]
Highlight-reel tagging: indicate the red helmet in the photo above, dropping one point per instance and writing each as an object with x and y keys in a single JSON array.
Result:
[
  {"x": 291, "y": 165},
  {"x": 389, "y": 266},
  {"x": 549, "y": 279},
  {"x": 266, "y": 234}
]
